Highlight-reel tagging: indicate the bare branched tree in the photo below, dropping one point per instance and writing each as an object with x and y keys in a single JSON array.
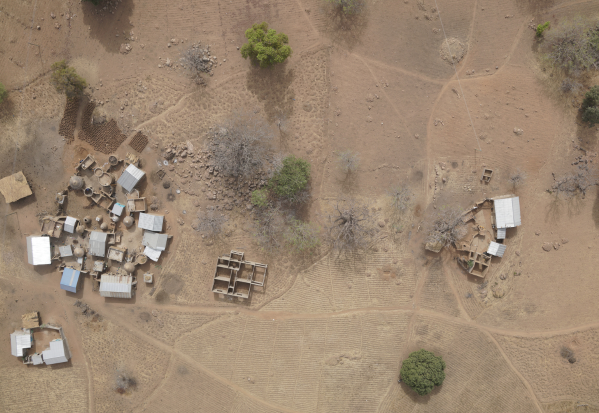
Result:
[
  {"x": 448, "y": 227},
  {"x": 209, "y": 223},
  {"x": 570, "y": 85},
  {"x": 348, "y": 161},
  {"x": 573, "y": 183},
  {"x": 240, "y": 144},
  {"x": 196, "y": 61},
  {"x": 517, "y": 178},
  {"x": 351, "y": 226},
  {"x": 571, "y": 47},
  {"x": 400, "y": 198},
  {"x": 270, "y": 225}
]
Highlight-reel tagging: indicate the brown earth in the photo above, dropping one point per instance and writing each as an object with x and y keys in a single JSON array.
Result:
[{"x": 325, "y": 334}]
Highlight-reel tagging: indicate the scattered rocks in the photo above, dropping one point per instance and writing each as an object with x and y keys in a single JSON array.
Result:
[
  {"x": 498, "y": 292},
  {"x": 547, "y": 246},
  {"x": 125, "y": 48},
  {"x": 518, "y": 131}
]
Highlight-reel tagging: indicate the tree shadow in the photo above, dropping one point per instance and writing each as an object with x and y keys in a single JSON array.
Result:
[
  {"x": 104, "y": 26},
  {"x": 271, "y": 86},
  {"x": 7, "y": 108},
  {"x": 595, "y": 211},
  {"x": 345, "y": 29}
]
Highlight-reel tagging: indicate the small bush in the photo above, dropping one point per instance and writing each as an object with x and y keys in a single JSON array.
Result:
[
  {"x": 301, "y": 237},
  {"x": 591, "y": 115},
  {"x": 3, "y": 93},
  {"x": 348, "y": 161},
  {"x": 573, "y": 46},
  {"x": 264, "y": 46},
  {"x": 422, "y": 371},
  {"x": 260, "y": 198},
  {"x": 541, "y": 28},
  {"x": 349, "y": 6},
  {"x": 591, "y": 98},
  {"x": 570, "y": 85},
  {"x": 66, "y": 80},
  {"x": 291, "y": 179},
  {"x": 400, "y": 198}
]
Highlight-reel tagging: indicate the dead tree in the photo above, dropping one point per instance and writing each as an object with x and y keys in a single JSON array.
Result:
[
  {"x": 400, "y": 198},
  {"x": 571, "y": 184},
  {"x": 209, "y": 223},
  {"x": 348, "y": 161},
  {"x": 448, "y": 227},
  {"x": 517, "y": 178},
  {"x": 240, "y": 144},
  {"x": 196, "y": 61},
  {"x": 351, "y": 226}
]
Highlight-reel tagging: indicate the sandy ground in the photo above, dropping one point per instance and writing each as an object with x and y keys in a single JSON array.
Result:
[{"x": 325, "y": 335}]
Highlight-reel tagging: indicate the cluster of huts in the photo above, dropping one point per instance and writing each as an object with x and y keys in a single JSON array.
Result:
[{"x": 21, "y": 342}]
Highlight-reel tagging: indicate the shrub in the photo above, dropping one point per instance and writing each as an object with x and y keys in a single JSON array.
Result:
[
  {"x": 66, "y": 80},
  {"x": 573, "y": 46},
  {"x": 541, "y": 28},
  {"x": 260, "y": 197},
  {"x": 400, "y": 198},
  {"x": 590, "y": 106},
  {"x": 291, "y": 179},
  {"x": 591, "y": 115},
  {"x": 196, "y": 62},
  {"x": 301, "y": 237},
  {"x": 267, "y": 47},
  {"x": 3, "y": 93},
  {"x": 210, "y": 223},
  {"x": 422, "y": 371},
  {"x": 348, "y": 161},
  {"x": 349, "y": 6}
]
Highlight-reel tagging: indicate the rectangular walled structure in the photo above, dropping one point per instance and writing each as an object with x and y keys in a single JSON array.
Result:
[
  {"x": 14, "y": 187},
  {"x": 234, "y": 277}
]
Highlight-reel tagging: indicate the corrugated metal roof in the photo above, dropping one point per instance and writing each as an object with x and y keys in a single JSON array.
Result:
[
  {"x": 155, "y": 240},
  {"x": 20, "y": 340},
  {"x": 65, "y": 251},
  {"x": 152, "y": 254},
  {"x": 496, "y": 249},
  {"x": 117, "y": 209},
  {"x": 97, "y": 243},
  {"x": 116, "y": 286},
  {"x": 56, "y": 353},
  {"x": 37, "y": 359},
  {"x": 501, "y": 233},
  {"x": 130, "y": 177},
  {"x": 69, "y": 280},
  {"x": 507, "y": 212},
  {"x": 150, "y": 222},
  {"x": 38, "y": 250},
  {"x": 70, "y": 224}
]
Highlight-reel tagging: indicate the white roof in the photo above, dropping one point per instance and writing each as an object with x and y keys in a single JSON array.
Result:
[
  {"x": 155, "y": 240},
  {"x": 117, "y": 209},
  {"x": 69, "y": 224},
  {"x": 507, "y": 212},
  {"x": 152, "y": 254},
  {"x": 117, "y": 286},
  {"x": 56, "y": 353},
  {"x": 37, "y": 359},
  {"x": 496, "y": 249},
  {"x": 150, "y": 222},
  {"x": 130, "y": 177},
  {"x": 501, "y": 233},
  {"x": 38, "y": 250},
  {"x": 65, "y": 251},
  {"x": 19, "y": 340}
]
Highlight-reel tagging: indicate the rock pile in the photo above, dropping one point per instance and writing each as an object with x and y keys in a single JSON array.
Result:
[
  {"x": 138, "y": 142},
  {"x": 105, "y": 138},
  {"x": 69, "y": 120}
]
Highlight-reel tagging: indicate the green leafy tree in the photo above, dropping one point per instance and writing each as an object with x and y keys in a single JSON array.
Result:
[
  {"x": 591, "y": 115},
  {"x": 3, "y": 93},
  {"x": 301, "y": 237},
  {"x": 265, "y": 46},
  {"x": 422, "y": 371},
  {"x": 66, "y": 80},
  {"x": 260, "y": 197},
  {"x": 291, "y": 179},
  {"x": 590, "y": 106},
  {"x": 541, "y": 28}
]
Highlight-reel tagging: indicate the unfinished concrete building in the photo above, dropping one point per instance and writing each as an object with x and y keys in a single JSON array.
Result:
[{"x": 235, "y": 277}]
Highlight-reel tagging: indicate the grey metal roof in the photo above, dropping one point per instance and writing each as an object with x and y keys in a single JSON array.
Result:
[
  {"x": 97, "y": 243},
  {"x": 69, "y": 224},
  {"x": 130, "y": 177},
  {"x": 507, "y": 212},
  {"x": 496, "y": 249},
  {"x": 118, "y": 209},
  {"x": 116, "y": 286},
  {"x": 66, "y": 251},
  {"x": 155, "y": 240},
  {"x": 20, "y": 340},
  {"x": 56, "y": 353},
  {"x": 150, "y": 222},
  {"x": 38, "y": 250},
  {"x": 501, "y": 233}
]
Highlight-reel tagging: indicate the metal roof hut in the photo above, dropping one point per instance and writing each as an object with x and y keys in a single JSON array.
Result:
[
  {"x": 496, "y": 249},
  {"x": 150, "y": 222},
  {"x": 97, "y": 243},
  {"x": 65, "y": 251},
  {"x": 56, "y": 353},
  {"x": 116, "y": 286},
  {"x": 70, "y": 224},
  {"x": 130, "y": 177},
  {"x": 19, "y": 341},
  {"x": 38, "y": 250},
  {"x": 117, "y": 209},
  {"x": 14, "y": 187},
  {"x": 155, "y": 240},
  {"x": 70, "y": 280},
  {"x": 507, "y": 212}
]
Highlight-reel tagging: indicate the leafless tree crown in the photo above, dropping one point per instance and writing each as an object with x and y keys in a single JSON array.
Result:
[
  {"x": 196, "y": 61},
  {"x": 209, "y": 223},
  {"x": 240, "y": 144},
  {"x": 351, "y": 226},
  {"x": 270, "y": 225},
  {"x": 401, "y": 197},
  {"x": 448, "y": 227},
  {"x": 517, "y": 178},
  {"x": 576, "y": 182},
  {"x": 348, "y": 161}
]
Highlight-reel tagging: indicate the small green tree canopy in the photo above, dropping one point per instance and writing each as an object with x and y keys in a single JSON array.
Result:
[
  {"x": 541, "y": 28},
  {"x": 591, "y": 98},
  {"x": 301, "y": 237},
  {"x": 66, "y": 80},
  {"x": 265, "y": 46},
  {"x": 260, "y": 197},
  {"x": 591, "y": 115},
  {"x": 3, "y": 93},
  {"x": 291, "y": 178},
  {"x": 422, "y": 370}
]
